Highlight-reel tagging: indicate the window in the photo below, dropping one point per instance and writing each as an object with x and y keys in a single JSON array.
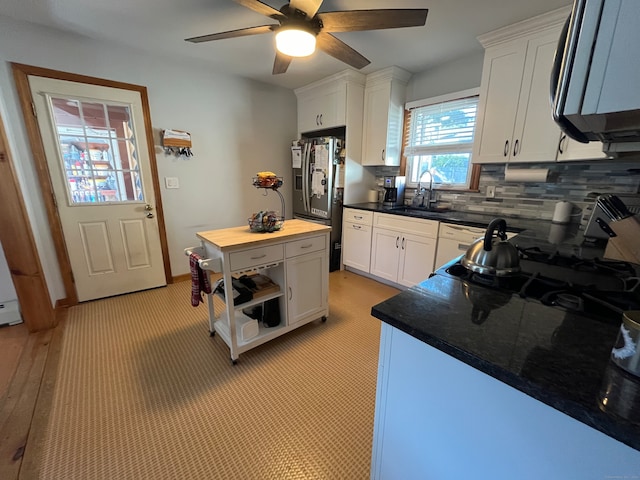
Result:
[
  {"x": 439, "y": 140},
  {"x": 97, "y": 150}
]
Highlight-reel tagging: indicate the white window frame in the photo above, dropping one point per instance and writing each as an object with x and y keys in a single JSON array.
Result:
[{"x": 472, "y": 92}]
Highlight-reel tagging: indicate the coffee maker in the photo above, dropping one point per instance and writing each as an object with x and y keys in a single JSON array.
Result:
[{"x": 393, "y": 191}]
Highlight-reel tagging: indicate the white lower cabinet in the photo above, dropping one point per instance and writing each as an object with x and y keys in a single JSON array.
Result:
[
  {"x": 422, "y": 399},
  {"x": 356, "y": 238},
  {"x": 403, "y": 249},
  {"x": 307, "y": 285}
]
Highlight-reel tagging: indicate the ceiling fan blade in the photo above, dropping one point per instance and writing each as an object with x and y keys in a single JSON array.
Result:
[
  {"x": 260, "y": 7},
  {"x": 310, "y": 7},
  {"x": 232, "y": 34},
  {"x": 281, "y": 63},
  {"x": 357, "y": 20},
  {"x": 340, "y": 50}
]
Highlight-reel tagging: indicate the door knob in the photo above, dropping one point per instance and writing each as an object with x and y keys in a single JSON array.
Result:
[
  {"x": 148, "y": 207},
  {"x": 149, "y": 215}
]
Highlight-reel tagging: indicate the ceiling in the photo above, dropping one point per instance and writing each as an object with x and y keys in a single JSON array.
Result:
[{"x": 161, "y": 26}]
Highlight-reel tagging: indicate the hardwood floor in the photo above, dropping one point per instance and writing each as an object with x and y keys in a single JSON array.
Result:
[
  {"x": 13, "y": 340},
  {"x": 23, "y": 359}
]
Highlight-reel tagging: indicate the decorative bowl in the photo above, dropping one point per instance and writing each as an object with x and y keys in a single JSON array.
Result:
[{"x": 265, "y": 222}]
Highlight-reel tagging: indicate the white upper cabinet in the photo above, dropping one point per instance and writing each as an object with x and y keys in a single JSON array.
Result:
[
  {"x": 571, "y": 150},
  {"x": 322, "y": 107},
  {"x": 384, "y": 97},
  {"x": 327, "y": 103},
  {"x": 514, "y": 114}
]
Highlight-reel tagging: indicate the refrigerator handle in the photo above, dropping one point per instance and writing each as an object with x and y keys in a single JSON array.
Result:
[{"x": 305, "y": 177}]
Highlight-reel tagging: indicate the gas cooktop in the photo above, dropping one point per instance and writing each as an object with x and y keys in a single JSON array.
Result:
[{"x": 597, "y": 288}]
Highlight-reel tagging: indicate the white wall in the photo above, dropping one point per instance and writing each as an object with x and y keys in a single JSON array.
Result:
[
  {"x": 238, "y": 127},
  {"x": 454, "y": 76}
]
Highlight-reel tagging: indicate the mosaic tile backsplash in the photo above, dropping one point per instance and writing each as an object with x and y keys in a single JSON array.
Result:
[{"x": 576, "y": 182}]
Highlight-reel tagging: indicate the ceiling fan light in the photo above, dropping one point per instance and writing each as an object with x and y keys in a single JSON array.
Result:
[{"x": 295, "y": 42}]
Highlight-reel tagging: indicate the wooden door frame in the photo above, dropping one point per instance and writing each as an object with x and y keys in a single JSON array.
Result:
[
  {"x": 20, "y": 249},
  {"x": 21, "y": 73}
]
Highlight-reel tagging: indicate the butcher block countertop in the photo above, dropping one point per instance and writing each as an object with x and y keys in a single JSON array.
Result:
[{"x": 234, "y": 237}]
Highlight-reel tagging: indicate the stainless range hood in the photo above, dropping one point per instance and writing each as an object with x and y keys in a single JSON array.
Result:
[{"x": 594, "y": 88}]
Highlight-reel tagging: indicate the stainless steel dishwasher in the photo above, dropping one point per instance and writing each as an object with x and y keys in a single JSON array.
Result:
[{"x": 454, "y": 240}]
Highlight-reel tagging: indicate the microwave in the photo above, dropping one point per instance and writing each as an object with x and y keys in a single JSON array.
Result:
[{"x": 594, "y": 80}]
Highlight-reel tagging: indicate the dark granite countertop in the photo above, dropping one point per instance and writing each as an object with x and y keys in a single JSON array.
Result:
[
  {"x": 559, "y": 358},
  {"x": 567, "y": 239},
  {"x": 448, "y": 216}
]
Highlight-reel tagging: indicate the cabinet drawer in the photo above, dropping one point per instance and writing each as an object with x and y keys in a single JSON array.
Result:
[
  {"x": 307, "y": 245},
  {"x": 256, "y": 256},
  {"x": 353, "y": 215},
  {"x": 419, "y": 226}
]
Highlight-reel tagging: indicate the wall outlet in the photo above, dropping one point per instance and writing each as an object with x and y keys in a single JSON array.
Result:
[{"x": 491, "y": 191}]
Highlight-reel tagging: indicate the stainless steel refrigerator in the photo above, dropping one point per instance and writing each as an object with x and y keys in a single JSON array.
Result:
[{"x": 318, "y": 173}]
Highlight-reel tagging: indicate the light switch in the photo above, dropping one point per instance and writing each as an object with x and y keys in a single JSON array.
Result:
[{"x": 171, "y": 182}]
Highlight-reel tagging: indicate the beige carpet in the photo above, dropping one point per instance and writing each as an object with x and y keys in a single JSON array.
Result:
[{"x": 141, "y": 391}]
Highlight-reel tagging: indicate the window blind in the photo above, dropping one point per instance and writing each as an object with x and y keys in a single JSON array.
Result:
[{"x": 441, "y": 127}]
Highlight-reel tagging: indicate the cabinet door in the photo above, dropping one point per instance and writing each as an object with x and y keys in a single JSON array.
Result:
[
  {"x": 499, "y": 93},
  {"x": 307, "y": 284},
  {"x": 319, "y": 110},
  {"x": 536, "y": 135},
  {"x": 376, "y": 122},
  {"x": 572, "y": 150},
  {"x": 385, "y": 253},
  {"x": 417, "y": 255},
  {"x": 356, "y": 245}
]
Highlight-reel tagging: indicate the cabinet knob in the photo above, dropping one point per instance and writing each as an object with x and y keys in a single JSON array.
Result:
[
  {"x": 403, "y": 239},
  {"x": 320, "y": 119},
  {"x": 382, "y": 154},
  {"x": 505, "y": 152},
  {"x": 317, "y": 120},
  {"x": 516, "y": 148},
  {"x": 397, "y": 240}
]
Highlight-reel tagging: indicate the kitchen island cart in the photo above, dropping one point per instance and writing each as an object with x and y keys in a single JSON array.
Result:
[{"x": 295, "y": 258}]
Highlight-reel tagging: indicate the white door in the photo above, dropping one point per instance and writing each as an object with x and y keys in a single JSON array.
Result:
[{"x": 97, "y": 154}]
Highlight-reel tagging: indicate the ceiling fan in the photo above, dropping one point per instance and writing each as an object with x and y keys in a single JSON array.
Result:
[{"x": 300, "y": 28}]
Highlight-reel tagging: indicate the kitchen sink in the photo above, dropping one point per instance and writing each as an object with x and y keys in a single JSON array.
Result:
[
  {"x": 435, "y": 213},
  {"x": 411, "y": 209}
]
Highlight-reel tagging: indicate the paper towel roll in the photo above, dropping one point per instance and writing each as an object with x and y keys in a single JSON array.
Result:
[
  {"x": 526, "y": 174},
  {"x": 557, "y": 233},
  {"x": 562, "y": 212}
]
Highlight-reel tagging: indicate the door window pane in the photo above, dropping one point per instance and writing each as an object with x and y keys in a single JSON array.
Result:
[{"x": 98, "y": 150}]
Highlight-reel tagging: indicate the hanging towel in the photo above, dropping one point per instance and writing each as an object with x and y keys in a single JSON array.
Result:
[{"x": 199, "y": 280}]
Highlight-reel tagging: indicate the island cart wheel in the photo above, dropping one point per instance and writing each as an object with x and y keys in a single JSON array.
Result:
[
  {"x": 324, "y": 318},
  {"x": 234, "y": 362},
  {"x": 212, "y": 334}
]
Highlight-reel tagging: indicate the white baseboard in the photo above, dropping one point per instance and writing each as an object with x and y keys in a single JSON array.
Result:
[{"x": 10, "y": 313}]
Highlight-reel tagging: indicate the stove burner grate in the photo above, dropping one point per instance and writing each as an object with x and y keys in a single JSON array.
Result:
[{"x": 596, "y": 265}]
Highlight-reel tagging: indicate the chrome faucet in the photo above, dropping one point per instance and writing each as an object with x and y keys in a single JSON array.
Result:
[{"x": 425, "y": 201}]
